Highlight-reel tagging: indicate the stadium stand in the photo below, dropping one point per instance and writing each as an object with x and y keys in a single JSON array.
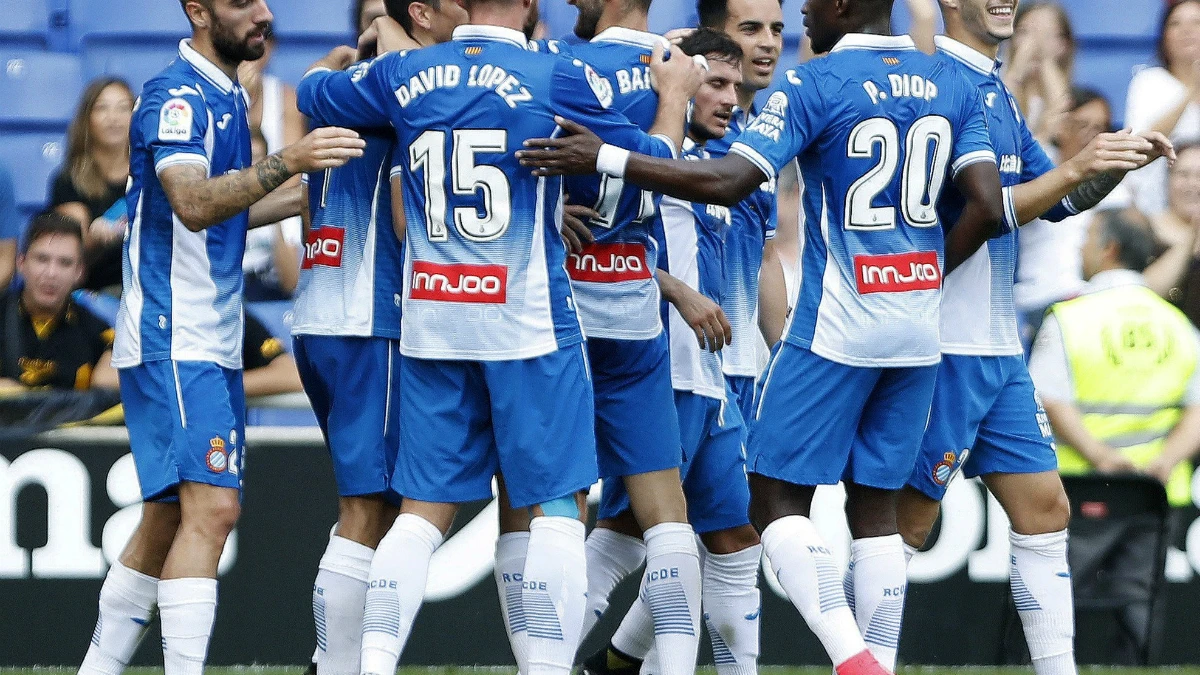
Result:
[
  {"x": 31, "y": 157},
  {"x": 26, "y": 23}
]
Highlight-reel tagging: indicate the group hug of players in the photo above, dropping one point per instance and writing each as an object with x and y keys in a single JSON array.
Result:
[{"x": 498, "y": 201}]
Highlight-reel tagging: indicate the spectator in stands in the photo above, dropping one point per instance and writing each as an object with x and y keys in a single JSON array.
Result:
[
  {"x": 90, "y": 186},
  {"x": 1041, "y": 64},
  {"x": 365, "y": 12},
  {"x": 1117, "y": 372},
  {"x": 10, "y": 228},
  {"x": 272, "y": 260},
  {"x": 46, "y": 340},
  {"x": 1176, "y": 273},
  {"x": 269, "y": 369},
  {"x": 1049, "y": 263},
  {"x": 1164, "y": 98}
]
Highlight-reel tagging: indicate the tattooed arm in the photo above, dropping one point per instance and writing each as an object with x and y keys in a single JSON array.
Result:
[{"x": 201, "y": 202}]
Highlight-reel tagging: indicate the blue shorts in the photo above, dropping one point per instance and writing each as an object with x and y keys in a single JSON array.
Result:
[
  {"x": 463, "y": 422},
  {"x": 637, "y": 429},
  {"x": 986, "y": 419},
  {"x": 740, "y": 391},
  {"x": 714, "y": 466},
  {"x": 187, "y": 422},
  {"x": 819, "y": 422},
  {"x": 353, "y": 384}
]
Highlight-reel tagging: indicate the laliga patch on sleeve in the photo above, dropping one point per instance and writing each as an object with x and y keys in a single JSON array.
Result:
[
  {"x": 600, "y": 85},
  {"x": 175, "y": 121}
]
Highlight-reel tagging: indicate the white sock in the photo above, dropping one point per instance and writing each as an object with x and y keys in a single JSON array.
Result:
[
  {"x": 806, "y": 570},
  {"x": 554, "y": 593},
  {"x": 635, "y": 635},
  {"x": 186, "y": 609},
  {"x": 339, "y": 596},
  {"x": 731, "y": 609},
  {"x": 611, "y": 557},
  {"x": 671, "y": 588},
  {"x": 511, "y": 548},
  {"x": 1041, "y": 588},
  {"x": 399, "y": 570},
  {"x": 127, "y": 601},
  {"x": 879, "y": 582},
  {"x": 909, "y": 552}
]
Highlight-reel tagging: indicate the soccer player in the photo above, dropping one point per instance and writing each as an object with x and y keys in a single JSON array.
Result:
[
  {"x": 495, "y": 377},
  {"x": 756, "y": 25},
  {"x": 986, "y": 419},
  {"x": 179, "y": 328},
  {"x": 637, "y": 429},
  {"x": 878, "y": 128},
  {"x": 714, "y": 475}
]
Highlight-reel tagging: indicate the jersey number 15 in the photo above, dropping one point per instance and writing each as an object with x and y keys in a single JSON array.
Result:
[{"x": 428, "y": 152}]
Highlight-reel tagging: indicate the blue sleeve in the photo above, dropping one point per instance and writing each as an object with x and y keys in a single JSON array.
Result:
[
  {"x": 10, "y": 219},
  {"x": 972, "y": 138},
  {"x": 358, "y": 97},
  {"x": 791, "y": 120},
  {"x": 173, "y": 127},
  {"x": 580, "y": 94},
  {"x": 771, "y": 222},
  {"x": 1035, "y": 163}
]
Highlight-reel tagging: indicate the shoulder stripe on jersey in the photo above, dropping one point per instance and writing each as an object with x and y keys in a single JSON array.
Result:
[
  {"x": 972, "y": 158},
  {"x": 181, "y": 158},
  {"x": 755, "y": 158}
]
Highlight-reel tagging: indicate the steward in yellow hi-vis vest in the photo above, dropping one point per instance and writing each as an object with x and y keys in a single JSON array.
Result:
[{"x": 1131, "y": 356}]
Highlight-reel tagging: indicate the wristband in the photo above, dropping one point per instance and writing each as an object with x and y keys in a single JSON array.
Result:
[{"x": 611, "y": 160}]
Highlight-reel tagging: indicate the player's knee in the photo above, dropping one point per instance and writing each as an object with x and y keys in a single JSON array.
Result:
[
  {"x": 561, "y": 507},
  {"x": 215, "y": 516},
  {"x": 731, "y": 540},
  {"x": 364, "y": 519},
  {"x": 1051, "y": 512}
]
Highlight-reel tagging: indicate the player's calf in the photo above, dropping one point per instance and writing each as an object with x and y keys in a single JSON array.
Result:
[
  {"x": 732, "y": 601},
  {"x": 916, "y": 513},
  {"x": 554, "y": 585}
]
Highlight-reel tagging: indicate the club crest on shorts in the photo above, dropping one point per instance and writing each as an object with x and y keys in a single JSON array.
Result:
[
  {"x": 944, "y": 470},
  {"x": 217, "y": 460}
]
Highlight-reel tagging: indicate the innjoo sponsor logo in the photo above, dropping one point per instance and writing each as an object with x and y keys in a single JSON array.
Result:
[
  {"x": 607, "y": 263},
  {"x": 459, "y": 283},
  {"x": 897, "y": 273},
  {"x": 324, "y": 247}
]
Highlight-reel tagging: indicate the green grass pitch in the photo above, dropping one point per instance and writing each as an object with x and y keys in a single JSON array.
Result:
[{"x": 763, "y": 670}]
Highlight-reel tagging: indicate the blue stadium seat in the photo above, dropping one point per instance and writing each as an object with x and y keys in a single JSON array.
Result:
[
  {"x": 1115, "y": 18},
  {"x": 1109, "y": 69},
  {"x": 31, "y": 158},
  {"x": 321, "y": 19},
  {"x": 135, "y": 63},
  {"x": 668, "y": 14},
  {"x": 291, "y": 60},
  {"x": 39, "y": 90},
  {"x": 25, "y": 23},
  {"x": 123, "y": 20}
]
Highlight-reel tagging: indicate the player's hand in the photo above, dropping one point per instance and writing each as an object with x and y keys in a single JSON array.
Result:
[
  {"x": 1161, "y": 146},
  {"x": 1121, "y": 151},
  {"x": 324, "y": 148},
  {"x": 1159, "y": 469},
  {"x": 572, "y": 154},
  {"x": 575, "y": 233},
  {"x": 339, "y": 58},
  {"x": 706, "y": 319},
  {"x": 677, "y": 77},
  {"x": 1112, "y": 461}
]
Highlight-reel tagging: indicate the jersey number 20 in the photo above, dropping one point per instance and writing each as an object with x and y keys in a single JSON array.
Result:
[
  {"x": 921, "y": 180},
  {"x": 428, "y": 152}
]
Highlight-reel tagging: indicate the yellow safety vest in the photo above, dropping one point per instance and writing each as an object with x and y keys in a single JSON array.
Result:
[{"x": 1131, "y": 355}]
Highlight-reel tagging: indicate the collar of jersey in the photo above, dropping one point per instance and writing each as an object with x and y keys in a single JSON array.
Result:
[
  {"x": 469, "y": 31},
  {"x": 958, "y": 51},
  {"x": 866, "y": 41},
  {"x": 629, "y": 36},
  {"x": 206, "y": 68},
  {"x": 1102, "y": 281}
]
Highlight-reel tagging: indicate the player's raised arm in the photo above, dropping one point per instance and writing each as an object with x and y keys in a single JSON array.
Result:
[
  {"x": 1081, "y": 182},
  {"x": 676, "y": 81},
  {"x": 181, "y": 162},
  {"x": 356, "y": 97}
]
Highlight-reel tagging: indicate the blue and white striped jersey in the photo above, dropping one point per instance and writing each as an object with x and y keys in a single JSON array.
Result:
[
  {"x": 613, "y": 279},
  {"x": 485, "y": 266},
  {"x": 878, "y": 128},
  {"x": 692, "y": 237},
  {"x": 753, "y": 223},
  {"x": 351, "y": 279},
  {"x": 979, "y": 316},
  {"x": 182, "y": 290}
]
